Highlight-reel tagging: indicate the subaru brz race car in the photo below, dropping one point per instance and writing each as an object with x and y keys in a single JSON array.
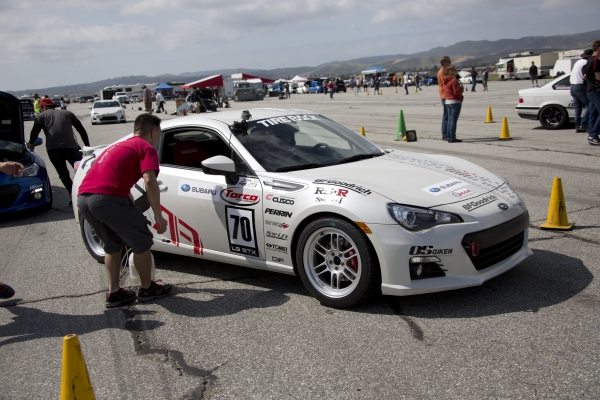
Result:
[{"x": 294, "y": 192}]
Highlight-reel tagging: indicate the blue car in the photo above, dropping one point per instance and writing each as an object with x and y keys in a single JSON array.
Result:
[
  {"x": 315, "y": 87},
  {"x": 30, "y": 190}
]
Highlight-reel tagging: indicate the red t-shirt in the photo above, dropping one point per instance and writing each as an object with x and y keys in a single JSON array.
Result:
[{"x": 119, "y": 167}]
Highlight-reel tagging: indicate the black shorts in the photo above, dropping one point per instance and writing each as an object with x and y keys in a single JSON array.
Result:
[{"x": 116, "y": 221}]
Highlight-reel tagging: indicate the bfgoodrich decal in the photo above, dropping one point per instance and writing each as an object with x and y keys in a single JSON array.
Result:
[
  {"x": 473, "y": 205},
  {"x": 351, "y": 186}
]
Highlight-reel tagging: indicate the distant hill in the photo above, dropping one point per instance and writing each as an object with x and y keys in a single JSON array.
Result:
[{"x": 464, "y": 54}]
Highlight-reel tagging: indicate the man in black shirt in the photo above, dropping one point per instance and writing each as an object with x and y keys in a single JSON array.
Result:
[{"x": 61, "y": 145}]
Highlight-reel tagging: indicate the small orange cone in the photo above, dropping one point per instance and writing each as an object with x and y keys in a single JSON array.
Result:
[
  {"x": 488, "y": 117},
  {"x": 557, "y": 209},
  {"x": 504, "y": 133},
  {"x": 75, "y": 380},
  {"x": 362, "y": 131}
]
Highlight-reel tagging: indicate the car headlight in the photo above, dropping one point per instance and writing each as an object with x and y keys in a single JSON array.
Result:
[
  {"x": 418, "y": 219},
  {"x": 31, "y": 170}
]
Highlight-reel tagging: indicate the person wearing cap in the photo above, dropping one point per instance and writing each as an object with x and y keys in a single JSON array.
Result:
[
  {"x": 61, "y": 145},
  {"x": 578, "y": 91}
]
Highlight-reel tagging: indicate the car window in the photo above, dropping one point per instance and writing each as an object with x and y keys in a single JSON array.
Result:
[
  {"x": 563, "y": 84},
  {"x": 297, "y": 142},
  {"x": 189, "y": 147}
]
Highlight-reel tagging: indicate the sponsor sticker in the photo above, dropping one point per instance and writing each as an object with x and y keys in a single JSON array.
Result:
[
  {"x": 237, "y": 197},
  {"x": 277, "y": 224},
  {"x": 280, "y": 199},
  {"x": 346, "y": 185},
  {"x": 276, "y": 235},
  {"x": 276, "y": 247},
  {"x": 444, "y": 187},
  {"x": 287, "y": 119},
  {"x": 198, "y": 190},
  {"x": 248, "y": 182},
  {"x": 428, "y": 250},
  {"x": 280, "y": 213},
  {"x": 276, "y": 259},
  {"x": 475, "y": 204},
  {"x": 460, "y": 193}
]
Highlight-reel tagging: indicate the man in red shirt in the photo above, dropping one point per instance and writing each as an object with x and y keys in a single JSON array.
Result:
[
  {"x": 441, "y": 74},
  {"x": 104, "y": 201}
]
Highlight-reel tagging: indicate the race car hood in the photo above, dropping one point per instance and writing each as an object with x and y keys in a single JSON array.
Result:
[
  {"x": 106, "y": 110},
  {"x": 425, "y": 180}
]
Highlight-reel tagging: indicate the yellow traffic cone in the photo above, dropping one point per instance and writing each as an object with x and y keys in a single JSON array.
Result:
[
  {"x": 557, "y": 209},
  {"x": 362, "y": 131},
  {"x": 489, "y": 118},
  {"x": 504, "y": 133},
  {"x": 75, "y": 380}
]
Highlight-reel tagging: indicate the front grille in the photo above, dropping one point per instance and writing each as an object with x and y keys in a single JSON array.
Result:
[
  {"x": 8, "y": 195},
  {"x": 108, "y": 118},
  {"x": 498, "y": 243}
]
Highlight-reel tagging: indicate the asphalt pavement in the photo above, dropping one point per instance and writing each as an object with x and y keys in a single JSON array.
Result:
[{"x": 230, "y": 333}]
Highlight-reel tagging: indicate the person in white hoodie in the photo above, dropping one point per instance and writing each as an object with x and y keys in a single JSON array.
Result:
[{"x": 579, "y": 92}]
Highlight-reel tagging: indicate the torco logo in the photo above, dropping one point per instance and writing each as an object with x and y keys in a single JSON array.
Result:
[
  {"x": 280, "y": 200},
  {"x": 242, "y": 199}
]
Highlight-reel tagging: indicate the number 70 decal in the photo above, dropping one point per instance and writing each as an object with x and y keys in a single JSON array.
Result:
[{"x": 241, "y": 231}]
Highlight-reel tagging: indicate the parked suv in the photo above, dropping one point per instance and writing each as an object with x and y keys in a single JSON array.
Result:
[
  {"x": 27, "y": 108},
  {"x": 121, "y": 97}
]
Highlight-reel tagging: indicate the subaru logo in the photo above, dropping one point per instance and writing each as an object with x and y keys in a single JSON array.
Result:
[
  {"x": 435, "y": 189},
  {"x": 503, "y": 206},
  {"x": 185, "y": 187}
]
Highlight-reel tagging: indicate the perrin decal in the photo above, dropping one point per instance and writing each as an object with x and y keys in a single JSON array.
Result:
[
  {"x": 241, "y": 231},
  {"x": 232, "y": 196},
  {"x": 280, "y": 213}
]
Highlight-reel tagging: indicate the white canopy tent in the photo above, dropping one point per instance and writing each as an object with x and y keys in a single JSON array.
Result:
[{"x": 298, "y": 79}]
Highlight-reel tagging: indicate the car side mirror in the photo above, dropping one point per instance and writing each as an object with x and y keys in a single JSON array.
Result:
[{"x": 220, "y": 165}]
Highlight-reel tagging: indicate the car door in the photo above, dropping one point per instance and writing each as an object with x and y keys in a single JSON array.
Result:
[{"x": 208, "y": 215}]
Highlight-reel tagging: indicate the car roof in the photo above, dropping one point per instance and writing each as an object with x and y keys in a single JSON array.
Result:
[{"x": 230, "y": 116}]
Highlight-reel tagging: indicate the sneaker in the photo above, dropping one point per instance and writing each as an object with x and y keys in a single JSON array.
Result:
[
  {"x": 454, "y": 140},
  {"x": 580, "y": 129},
  {"x": 156, "y": 290},
  {"x": 119, "y": 298},
  {"x": 444, "y": 138},
  {"x": 6, "y": 292},
  {"x": 593, "y": 141}
]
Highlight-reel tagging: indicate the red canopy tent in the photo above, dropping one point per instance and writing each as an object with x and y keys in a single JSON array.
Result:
[
  {"x": 209, "y": 81},
  {"x": 245, "y": 76}
]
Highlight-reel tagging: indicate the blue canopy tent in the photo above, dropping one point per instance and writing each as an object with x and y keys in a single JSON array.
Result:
[{"x": 165, "y": 89}]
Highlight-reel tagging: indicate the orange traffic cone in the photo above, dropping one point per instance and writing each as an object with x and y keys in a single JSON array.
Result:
[
  {"x": 75, "y": 380},
  {"x": 504, "y": 133},
  {"x": 557, "y": 209},
  {"x": 488, "y": 117},
  {"x": 362, "y": 131}
]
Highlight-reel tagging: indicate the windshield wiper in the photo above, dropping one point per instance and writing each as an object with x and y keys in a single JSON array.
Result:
[
  {"x": 297, "y": 167},
  {"x": 356, "y": 157}
]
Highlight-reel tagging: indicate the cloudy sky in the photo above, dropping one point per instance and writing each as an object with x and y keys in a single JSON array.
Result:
[{"x": 60, "y": 42}]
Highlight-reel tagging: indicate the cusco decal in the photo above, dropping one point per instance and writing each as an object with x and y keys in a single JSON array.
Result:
[
  {"x": 233, "y": 196},
  {"x": 287, "y": 119},
  {"x": 444, "y": 187},
  {"x": 178, "y": 228},
  {"x": 241, "y": 231}
]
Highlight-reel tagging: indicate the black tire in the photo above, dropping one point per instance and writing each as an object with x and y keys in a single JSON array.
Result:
[
  {"x": 335, "y": 263},
  {"x": 92, "y": 242},
  {"x": 553, "y": 117},
  {"x": 48, "y": 206}
]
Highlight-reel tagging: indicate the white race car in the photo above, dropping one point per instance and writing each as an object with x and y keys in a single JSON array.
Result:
[
  {"x": 107, "y": 111},
  {"x": 550, "y": 104},
  {"x": 292, "y": 191}
]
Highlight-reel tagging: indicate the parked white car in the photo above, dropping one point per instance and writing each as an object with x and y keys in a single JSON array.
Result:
[
  {"x": 550, "y": 104},
  {"x": 294, "y": 192},
  {"x": 107, "y": 111}
]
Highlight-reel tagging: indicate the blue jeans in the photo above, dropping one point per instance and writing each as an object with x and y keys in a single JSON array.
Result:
[
  {"x": 594, "y": 114},
  {"x": 473, "y": 84},
  {"x": 453, "y": 111},
  {"x": 580, "y": 101},
  {"x": 444, "y": 120}
]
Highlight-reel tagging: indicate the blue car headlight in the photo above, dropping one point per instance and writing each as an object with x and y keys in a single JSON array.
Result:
[
  {"x": 418, "y": 219},
  {"x": 31, "y": 170}
]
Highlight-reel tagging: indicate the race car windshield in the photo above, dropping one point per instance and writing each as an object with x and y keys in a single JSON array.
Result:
[
  {"x": 107, "y": 104},
  {"x": 304, "y": 141}
]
